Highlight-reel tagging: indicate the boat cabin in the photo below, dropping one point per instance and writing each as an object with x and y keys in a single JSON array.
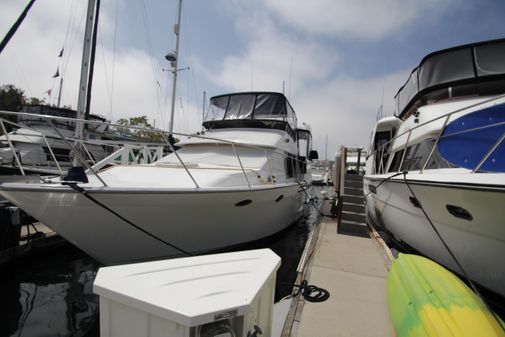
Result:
[
  {"x": 464, "y": 71},
  {"x": 251, "y": 110}
]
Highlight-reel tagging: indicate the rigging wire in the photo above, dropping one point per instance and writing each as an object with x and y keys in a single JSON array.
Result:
[
  {"x": 15, "y": 26},
  {"x": 193, "y": 78},
  {"x": 147, "y": 32},
  {"x": 453, "y": 256},
  {"x": 113, "y": 60},
  {"x": 86, "y": 194}
]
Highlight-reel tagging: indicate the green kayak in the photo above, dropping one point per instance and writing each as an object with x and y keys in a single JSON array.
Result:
[{"x": 426, "y": 299}]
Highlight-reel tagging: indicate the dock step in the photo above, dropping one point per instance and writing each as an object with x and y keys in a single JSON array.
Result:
[
  {"x": 353, "y": 207},
  {"x": 353, "y": 216},
  {"x": 353, "y": 183},
  {"x": 353, "y": 191},
  {"x": 355, "y": 199},
  {"x": 353, "y": 228},
  {"x": 354, "y": 177}
]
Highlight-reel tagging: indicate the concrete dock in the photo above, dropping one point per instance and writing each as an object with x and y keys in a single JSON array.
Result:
[{"x": 353, "y": 267}]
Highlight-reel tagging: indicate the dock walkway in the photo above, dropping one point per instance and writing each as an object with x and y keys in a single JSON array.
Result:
[{"x": 353, "y": 268}]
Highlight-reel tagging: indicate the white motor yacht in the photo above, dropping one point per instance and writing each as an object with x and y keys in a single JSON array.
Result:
[
  {"x": 443, "y": 154},
  {"x": 238, "y": 182}
]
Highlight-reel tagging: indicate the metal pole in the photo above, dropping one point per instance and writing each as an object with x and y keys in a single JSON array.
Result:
[
  {"x": 177, "y": 30},
  {"x": 83, "y": 83},
  {"x": 59, "y": 92}
]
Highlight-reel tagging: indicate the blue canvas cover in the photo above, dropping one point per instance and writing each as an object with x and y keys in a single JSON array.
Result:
[{"x": 466, "y": 140}]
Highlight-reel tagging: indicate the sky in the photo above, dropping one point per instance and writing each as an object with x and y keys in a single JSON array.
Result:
[{"x": 338, "y": 61}]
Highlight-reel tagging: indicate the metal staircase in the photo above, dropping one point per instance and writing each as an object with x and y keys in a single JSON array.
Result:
[{"x": 349, "y": 192}]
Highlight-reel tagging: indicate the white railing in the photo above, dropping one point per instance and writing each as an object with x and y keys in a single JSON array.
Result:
[
  {"x": 144, "y": 153},
  {"x": 386, "y": 148}
]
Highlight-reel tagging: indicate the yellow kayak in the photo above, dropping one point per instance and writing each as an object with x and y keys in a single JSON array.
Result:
[{"x": 427, "y": 300}]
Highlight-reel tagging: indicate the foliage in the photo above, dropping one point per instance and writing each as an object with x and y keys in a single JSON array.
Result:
[
  {"x": 11, "y": 98},
  {"x": 152, "y": 135}
]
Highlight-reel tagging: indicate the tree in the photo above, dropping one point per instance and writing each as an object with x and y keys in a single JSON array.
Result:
[
  {"x": 152, "y": 136},
  {"x": 11, "y": 98}
]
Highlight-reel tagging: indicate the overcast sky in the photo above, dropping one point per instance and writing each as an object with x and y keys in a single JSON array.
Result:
[{"x": 337, "y": 60}]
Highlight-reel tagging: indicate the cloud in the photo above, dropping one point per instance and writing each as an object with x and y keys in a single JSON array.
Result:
[
  {"x": 30, "y": 60},
  {"x": 362, "y": 19},
  {"x": 344, "y": 109},
  {"x": 271, "y": 57}
]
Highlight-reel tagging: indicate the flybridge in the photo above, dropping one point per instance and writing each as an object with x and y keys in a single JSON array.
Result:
[
  {"x": 474, "y": 69},
  {"x": 251, "y": 109}
]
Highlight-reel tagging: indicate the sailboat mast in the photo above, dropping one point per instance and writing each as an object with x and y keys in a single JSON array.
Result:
[
  {"x": 59, "y": 92},
  {"x": 83, "y": 83},
  {"x": 177, "y": 30}
]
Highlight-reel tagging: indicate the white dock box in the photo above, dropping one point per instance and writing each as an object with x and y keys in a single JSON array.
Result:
[{"x": 203, "y": 296}]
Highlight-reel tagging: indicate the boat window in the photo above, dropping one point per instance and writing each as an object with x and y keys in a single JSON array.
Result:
[
  {"x": 489, "y": 59},
  {"x": 240, "y": 107},
  {"x": 290, "y": 167},
  {"x": 217, "y": 108},
  {"x": 395, "y": 164},
  {"x": 447, "y": 67},
  {"x": 416, "y": 156},
  {"x": 408, "y": 91},
  {"x": 304, "y": 138},
  {"x": 269, "y": 106},
  {"x": 291, "y": 116}
]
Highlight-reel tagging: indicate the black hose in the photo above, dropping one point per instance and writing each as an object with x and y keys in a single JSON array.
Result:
[
  {"x": 312, "y": 293},
  {"x": 85, "y": 193}
]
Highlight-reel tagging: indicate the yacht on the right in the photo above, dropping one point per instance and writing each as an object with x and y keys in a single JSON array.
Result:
[{"x": 435, "y": 176}]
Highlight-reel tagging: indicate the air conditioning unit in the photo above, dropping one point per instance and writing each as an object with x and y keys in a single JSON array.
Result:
[{"x": 217, "y": 295}]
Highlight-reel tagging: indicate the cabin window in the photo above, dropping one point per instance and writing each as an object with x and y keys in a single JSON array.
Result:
[
  {"x": 290, "y": 167},
  {"x": 217, "y": 108},
  {"x": 416, "y": 156},
  {"x": 395, "y": 164},
  {"x": 240, "y": 107}
]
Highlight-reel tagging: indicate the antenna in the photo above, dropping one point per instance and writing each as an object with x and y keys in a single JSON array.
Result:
[
  {"x": 290, "y": 73},
  {"x": 173, "y": 58},
  {"x": 252, "y": 75},
  {"x": 203, "y": 107}
]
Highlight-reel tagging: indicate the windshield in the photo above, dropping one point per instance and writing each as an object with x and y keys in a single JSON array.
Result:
[{"x": 251, "y": 106}]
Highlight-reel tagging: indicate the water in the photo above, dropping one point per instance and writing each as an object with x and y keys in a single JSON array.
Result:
[{"x": 52, "y": 294}]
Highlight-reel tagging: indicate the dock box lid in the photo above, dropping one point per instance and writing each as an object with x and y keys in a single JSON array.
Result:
[{"x": 190, "y": 291}]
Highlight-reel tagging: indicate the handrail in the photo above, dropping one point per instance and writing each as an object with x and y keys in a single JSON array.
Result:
[
  {"x": 241, "y": 166},
  {"x": 76, "y": 153},
  {"x": 447, "y": 117},
  {"x": 12, "y": 148},
  {"x": 179, "y": 158},
  {"x": 69, "y": 142}
]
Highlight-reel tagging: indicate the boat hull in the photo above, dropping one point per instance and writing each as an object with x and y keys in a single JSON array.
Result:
[
  {"x": 478, "y": 243},
  {"x": 194, "y": 221}
]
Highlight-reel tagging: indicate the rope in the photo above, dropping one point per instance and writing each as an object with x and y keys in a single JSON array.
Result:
[
  {"x": 463, "y": 271},
  {"x": 85, "y": 193}
]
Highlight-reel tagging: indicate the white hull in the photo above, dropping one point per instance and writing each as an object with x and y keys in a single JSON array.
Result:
[
  {"x": 478, "y": 244},
  {"x": 194, "y": 221}
]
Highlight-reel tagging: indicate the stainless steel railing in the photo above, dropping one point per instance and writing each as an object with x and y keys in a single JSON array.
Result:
[
  {"x": 386, "y": 149},
  {"x": 85, "y": 157}
]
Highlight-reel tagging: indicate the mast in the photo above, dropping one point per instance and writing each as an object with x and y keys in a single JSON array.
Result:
[
  {"x": 83, "y": 83},
  {"x": 177, "y": 30}
]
